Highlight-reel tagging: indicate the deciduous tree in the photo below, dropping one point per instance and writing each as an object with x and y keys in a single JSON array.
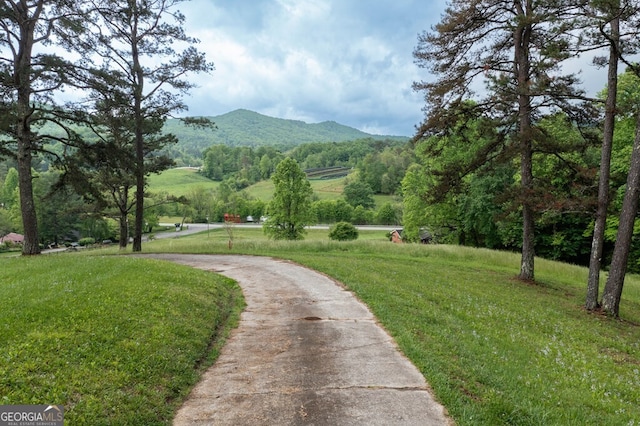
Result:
[
  {"x": 359, "y": 193},
  {"x": 290, "y": 210}
]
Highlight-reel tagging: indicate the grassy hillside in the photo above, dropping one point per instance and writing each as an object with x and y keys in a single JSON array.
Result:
[
  {"x": 327, "y": 189},
  {"x": 180, "y": 181},
  {"x": 120, "y": 340},
  {"x": 114, "y": 340}
]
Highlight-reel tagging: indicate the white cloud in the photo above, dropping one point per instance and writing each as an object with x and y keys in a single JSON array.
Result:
[
  {"x": 343, "y": 60},
  {"x": 348, "y": 61}
]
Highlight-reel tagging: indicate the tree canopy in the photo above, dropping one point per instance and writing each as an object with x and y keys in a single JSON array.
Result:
[{"x": 290, "y": 210}]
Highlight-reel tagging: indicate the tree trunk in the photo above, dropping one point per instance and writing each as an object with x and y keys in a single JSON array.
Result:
[
  {"x": 139, "y": 216},
  {"x": 522, "y": 64},
  {"x": 613, "y": 288},
  {"x": 22, "y": 81},
  {"x": 122, "y": 200},
  {"x": 124, "y": 231},
  {"x": 31, "y": 244},
  {"x": 139, "y": 123},
  {"x": 593, "y": 283}
]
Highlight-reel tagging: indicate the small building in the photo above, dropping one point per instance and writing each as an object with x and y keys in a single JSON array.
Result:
[
  {"x": 12, "y": 238},
  {"x": 396, "y": 236}
]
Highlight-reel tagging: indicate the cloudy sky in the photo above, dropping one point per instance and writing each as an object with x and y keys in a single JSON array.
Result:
[{"x": 348, "y": 61}]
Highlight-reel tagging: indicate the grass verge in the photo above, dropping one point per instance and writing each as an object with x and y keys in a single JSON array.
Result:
[
  {"x": 494, "y": 349},
  {"x": 116, "y": 340}
]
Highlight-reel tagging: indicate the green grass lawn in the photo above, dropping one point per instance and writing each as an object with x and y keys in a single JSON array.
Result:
[
  {"x": 82, "y": 330},
  {"x": 116, "y": 340},
  {"x": 494, "y": 349}
]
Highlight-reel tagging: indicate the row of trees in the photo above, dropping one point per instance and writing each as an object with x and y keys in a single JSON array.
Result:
[
  {"x": 243, "y": 165},
  {"x": 120, "y": 58},
  {"x": 510, "y": 135}
]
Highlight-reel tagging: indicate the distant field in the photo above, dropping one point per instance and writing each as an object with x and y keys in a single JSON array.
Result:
[
  {"x": 325, "y": 189},
  {"x": 180, "y": 181}
]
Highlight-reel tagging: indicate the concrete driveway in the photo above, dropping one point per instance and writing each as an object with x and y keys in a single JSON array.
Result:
[{"x": 306, "y": 352}]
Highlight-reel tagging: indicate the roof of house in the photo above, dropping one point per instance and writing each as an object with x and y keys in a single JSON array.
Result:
[{"x": 12, "y": 237}]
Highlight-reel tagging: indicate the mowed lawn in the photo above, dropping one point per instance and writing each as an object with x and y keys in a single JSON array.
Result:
[
  {"x": 119, "y": 340},
  {"x": 115, "y": 340}
]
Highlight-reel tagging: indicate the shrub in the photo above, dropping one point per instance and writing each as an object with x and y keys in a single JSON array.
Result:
[
  {"x": 343, "y": 231},
  {"x": 86, "y": 241}
]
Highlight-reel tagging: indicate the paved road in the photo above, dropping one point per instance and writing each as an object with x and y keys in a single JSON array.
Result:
[
  {"x": 192, "y": 228},
  {"x": 306, "y": 352}
]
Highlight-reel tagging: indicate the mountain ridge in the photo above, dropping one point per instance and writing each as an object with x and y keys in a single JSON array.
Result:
[{"x": 243, "y": 127}]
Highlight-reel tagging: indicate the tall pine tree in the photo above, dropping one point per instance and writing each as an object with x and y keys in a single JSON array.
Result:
[
  {"x": 516, "y": 48},
  {"x": 29, "y": 81},
  {"x": 135, "y": 40}
]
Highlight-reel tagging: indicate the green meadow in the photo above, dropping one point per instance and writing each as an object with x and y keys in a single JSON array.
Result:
[
  {"x": 324, "y": 189},
  {"x": 120, "y": 340},
  {"x": 181, "y": 181}
]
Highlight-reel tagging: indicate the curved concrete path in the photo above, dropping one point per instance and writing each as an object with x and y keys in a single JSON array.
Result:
[{"x": 306, "y": 352}]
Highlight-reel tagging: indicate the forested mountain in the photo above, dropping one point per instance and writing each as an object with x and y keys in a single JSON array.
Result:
[{"x": 247, "y": 128}]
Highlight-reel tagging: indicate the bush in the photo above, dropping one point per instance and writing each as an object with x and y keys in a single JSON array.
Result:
[
  {"x": 86, "y": 241},
  {"x": 343, "y": 231}
]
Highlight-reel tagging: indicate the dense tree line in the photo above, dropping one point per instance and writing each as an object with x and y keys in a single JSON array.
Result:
[
  {"x": 63, "y": 215},
  {"x": 243, "y": 165}
]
